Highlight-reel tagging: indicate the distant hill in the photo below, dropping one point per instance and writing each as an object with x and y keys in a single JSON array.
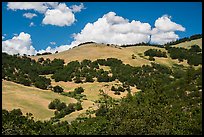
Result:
[
  {"x": 93, "y": 51},
  {"x": 188, "y": 44}
]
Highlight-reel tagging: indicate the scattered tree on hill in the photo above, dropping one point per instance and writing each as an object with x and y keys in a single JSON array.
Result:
[
  {"x": 58, "y": 89},
  {"x": 78, "y": 90}
]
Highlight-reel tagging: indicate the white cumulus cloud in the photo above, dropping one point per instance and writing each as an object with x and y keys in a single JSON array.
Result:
[
  {"x": 165, "y": 24},
  {"x": 55, "y": 13},
  {"x": 60, "y": 16},
  {"x": 3, "y": 37},
  {"x": 29, "y": 15},
  {"x": 37, "y": 6},
  {"x": 164, "y": 30},
  {"x": 164, "y": 37},
  {"x": 115, "y": 30},
  {"x": 76, "y": 8},
  {"x": 21, "y": 44}
]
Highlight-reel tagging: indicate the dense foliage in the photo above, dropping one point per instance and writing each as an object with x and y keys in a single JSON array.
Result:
[
  {"x": 62, "y": 109},
  {"x": 23, "y": 70},
  {"x": 173, "y": 108},
  {"x": 143, "y": 44},
  {"x": 192, "y": 55},
  {"x": 155, "y": 53}
]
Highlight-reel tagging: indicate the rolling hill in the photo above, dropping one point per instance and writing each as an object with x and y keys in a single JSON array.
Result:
[
  {"x": 102, "y": 51},
  {"x": 34, "y": 100}
]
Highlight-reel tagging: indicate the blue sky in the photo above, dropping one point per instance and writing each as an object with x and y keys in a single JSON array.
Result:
[{"x": 186, "y": 14}]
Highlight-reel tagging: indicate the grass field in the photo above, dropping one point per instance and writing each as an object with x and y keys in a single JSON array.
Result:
[
  {"x": 30, "y": 99},
  {"x": 35, "y": 101},
  {"x": 188, "y": 44}
]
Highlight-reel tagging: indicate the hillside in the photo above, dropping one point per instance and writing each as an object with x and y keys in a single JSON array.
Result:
[
  {"x": 102, "y": 51},
  {"x": 188, "y": 44},
  {"x": 102, "y": 70},
  {"x": 30, "y": 99}
]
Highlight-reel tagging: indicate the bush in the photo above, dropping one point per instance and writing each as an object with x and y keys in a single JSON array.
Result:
[
  {"x": 113, "y": 88},
  {"x": 151, "y": 58},
  {"x": 133, "y": 56},
  {"x": 70, "y": 108},
  {"x": 53, "y": 104},
  {"x": 117, "y": 92},
  {"x": 155, "y": 53},
  {"x": 89, "y": 78},
  {"x": 78, "y": 106},
  {"x": 40, "y": 60},
  {"x": 195, "y": 48},
  {"x": 61, "y": 106},
  {"x": 58, "y": 89},
  {"x": 121, "y": 89},
  {"x": 78, "y": 90}
]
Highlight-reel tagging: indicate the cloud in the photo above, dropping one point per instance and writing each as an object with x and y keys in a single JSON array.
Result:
[
  {"x": 164, "y": 30},
  {"x": 3, "y": 37},
  {"x": 21, "y": 44},
  {"x": 29, "y": 15},
  {"x": 53, "y": 43},
  {"x": 115, "y": 30},
  {"x": 165, "y": 24},
  {"x": 60, "y": 16},
  {"x": 31, "y": 24},
  {"x": 37, "y": 6},
  {"x": 53, "y": 50},
  {"x": 76, "y": 8},
  {"x": 164, "y": 37},
  {"x": 55, "y": 13}
]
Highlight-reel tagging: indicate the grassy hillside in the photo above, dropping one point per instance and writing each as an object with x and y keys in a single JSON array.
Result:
[
  {"x": 30, "y": 99},
  {"x": 102, "y": 51},
  {"x": 188, "y": 44},
  {"x": 34, "y": 100}
]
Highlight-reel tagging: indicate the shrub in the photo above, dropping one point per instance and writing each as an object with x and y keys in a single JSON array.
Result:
[
  {"x": 53, "y": 104},
  {"x": 58, "y": 89},
  {"x": 117, "y": 92},
  {"x": 78, "y": 106},
  {"x": 61, "y": 106},
  {"x": 151, "y": 58},
  {"x": 78, "y": 90},
  {"x": 89, "y": 78},
  {"x": 113, "y": 88},
  {"x": 121, "y": 89}
]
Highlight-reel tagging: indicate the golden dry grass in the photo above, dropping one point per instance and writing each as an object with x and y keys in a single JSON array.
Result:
[
  {"x": 101, "y": 51},
  {"x": 188, "y": 44},
  {"x": 35, "y": 101},
  {"x": 30, "y": 99}
]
